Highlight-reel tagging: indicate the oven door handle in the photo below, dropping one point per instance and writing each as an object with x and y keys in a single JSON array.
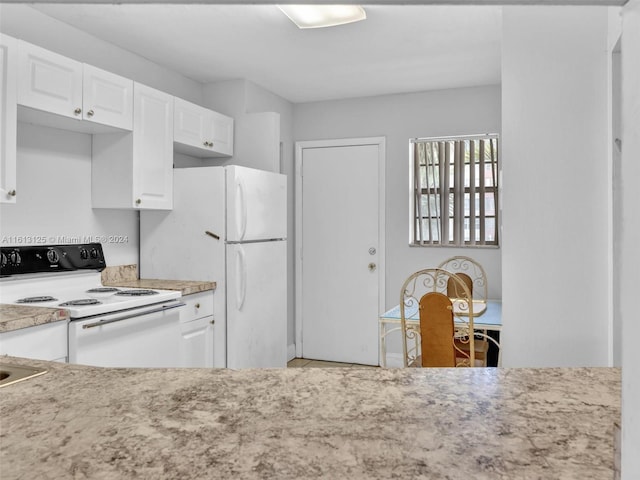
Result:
[{"x": 139, "y": 314}]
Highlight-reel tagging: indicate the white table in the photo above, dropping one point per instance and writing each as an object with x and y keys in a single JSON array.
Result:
[{"x": 486, "y": 317}]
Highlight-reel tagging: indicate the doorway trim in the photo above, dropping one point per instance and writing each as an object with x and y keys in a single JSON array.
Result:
[{"x": 380, "y": 142}]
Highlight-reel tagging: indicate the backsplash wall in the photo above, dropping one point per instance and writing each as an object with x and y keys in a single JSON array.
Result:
[{"x": 54, "y": 198}]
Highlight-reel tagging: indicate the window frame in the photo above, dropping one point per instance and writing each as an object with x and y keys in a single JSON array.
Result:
[{"x": 458, "y": 190}]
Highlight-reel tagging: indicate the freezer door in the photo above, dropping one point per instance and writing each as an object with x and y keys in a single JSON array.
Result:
[
  {"x": 257, "y": 305},
  {"x": 256, "y": 204}
]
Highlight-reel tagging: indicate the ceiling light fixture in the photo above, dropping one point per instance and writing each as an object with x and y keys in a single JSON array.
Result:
[{"x": 317, "y": 16}]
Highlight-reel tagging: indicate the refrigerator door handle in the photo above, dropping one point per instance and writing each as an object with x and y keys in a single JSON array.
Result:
[
  {"x": 241, "y": 277},
  {"x": 241, "y": 209}
]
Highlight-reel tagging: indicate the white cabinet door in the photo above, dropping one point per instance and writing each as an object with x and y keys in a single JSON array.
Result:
[
  {"x": 197, "y": 330},
  {"x": 189, "y": 124},
  {"x": 196, "y": 343},
  {"x": 135, "y": 169},
  {"x": 8, "y": 120},
  {"x": 152, "y": 148},
  {"x": 201, "y": 132},
  {"x": 48, "y": 81},
  {"x": 43, "y": 342},
  {"x": 107, "y": 98},
  {"x": 221, "y": 134}
]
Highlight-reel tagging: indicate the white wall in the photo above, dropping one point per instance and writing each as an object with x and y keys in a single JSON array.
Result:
[
  {"x": 26, "y": 23},
  {"x": 54, "y": 181},
  {"x": 555, "y": 186},
  {"x": 399, "y": 118},
  {"x": 630, "y": 239},
  {"x": 614, "y": 46}
]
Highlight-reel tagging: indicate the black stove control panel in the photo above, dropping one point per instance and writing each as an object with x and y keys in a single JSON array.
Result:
[{"x": 51, "y": 258}]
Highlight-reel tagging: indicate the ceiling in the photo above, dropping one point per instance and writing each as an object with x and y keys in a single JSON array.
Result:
[{"x": 397, "y": 49}]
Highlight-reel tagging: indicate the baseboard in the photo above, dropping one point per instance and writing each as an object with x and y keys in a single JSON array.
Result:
[{"x": 291, "y": 352}]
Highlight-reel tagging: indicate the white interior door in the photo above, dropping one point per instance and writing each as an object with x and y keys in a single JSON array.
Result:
[{"x": 340, "y": 251}]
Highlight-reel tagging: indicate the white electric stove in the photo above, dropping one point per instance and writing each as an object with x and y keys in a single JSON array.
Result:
[
  {"x": 109, "y": 326},
  {"x": 81, "y": 293}
]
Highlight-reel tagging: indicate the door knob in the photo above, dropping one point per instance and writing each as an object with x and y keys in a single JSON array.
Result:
[{"x": 372, "y": 267}]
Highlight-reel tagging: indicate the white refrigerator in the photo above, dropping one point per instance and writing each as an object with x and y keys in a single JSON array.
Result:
[{"x": 228, "y": 225}]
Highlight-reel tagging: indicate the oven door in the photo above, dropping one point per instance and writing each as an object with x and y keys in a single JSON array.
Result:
[{"x": 144, "y": 337}]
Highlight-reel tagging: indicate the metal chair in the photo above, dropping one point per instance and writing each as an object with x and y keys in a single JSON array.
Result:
[
  {"x": 442, "y": 336},
  {"x": 475, "y": 278},
  {"x": 472, "y": 274}
]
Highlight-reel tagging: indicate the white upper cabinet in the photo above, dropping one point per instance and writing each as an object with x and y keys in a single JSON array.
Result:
[
  {"x": 8, "y": 122},
  {"x": 135, "y": 170},
  {"x": 66, "y": 89},
  {"x": 153, "y": 148},
  {"x": 48, "y": 81},
  {"x": 107, "y": 98},
  {"x": 201, "y": 132}
]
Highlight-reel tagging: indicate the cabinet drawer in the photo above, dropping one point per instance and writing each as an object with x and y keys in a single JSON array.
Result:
[{"x": 198, "y": 305}]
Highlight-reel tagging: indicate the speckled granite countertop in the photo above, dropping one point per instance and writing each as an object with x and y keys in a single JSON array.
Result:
[
  {"x": 126, "y": 276},
  {"x": 88, "y": 422},
  {"x": 185, "y": 286},
  {"x": 15, "y": 317}
]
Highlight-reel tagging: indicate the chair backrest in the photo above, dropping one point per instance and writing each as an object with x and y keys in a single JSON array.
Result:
[
  {"x": 436, "y": 331},
  {"x": 429, "y": 322},
  {"x": 471, "y": 272},
  {"x": 453, "y": 290}
]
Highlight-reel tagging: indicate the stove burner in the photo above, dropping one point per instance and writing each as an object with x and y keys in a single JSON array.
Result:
[
  {"x": 45, "y": 298},
  {"x": 81, "y": 302},
  {"x": 136, "y": 293},
  {"x": 103, "y": 290}
]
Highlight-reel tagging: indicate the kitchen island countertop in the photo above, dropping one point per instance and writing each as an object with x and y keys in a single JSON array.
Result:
[{"x": 89, "y": 422}]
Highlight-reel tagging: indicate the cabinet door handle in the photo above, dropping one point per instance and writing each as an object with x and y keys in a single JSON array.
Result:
[
  {"x": 11, "y": 193},
  {"x": 211, "y": 234},
  {"x": 77, "y": 111},
  {"x": 197, "y": 305},
  {"x": 138, "y": 201},
  {"x": 212, "y": 322},
  {"x": 90, "y": 113}
]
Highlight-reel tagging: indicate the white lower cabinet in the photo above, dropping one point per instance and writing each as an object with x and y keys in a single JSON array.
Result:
[
  {"x": 196, "y": 331},
  {"x": 43, "y": 342}
]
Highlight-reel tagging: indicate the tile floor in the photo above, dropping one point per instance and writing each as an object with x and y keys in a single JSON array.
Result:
[{"x": 306, "y": 363}]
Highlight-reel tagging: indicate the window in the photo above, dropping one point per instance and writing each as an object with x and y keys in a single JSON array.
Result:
[{"x": 455, "y": 191}]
